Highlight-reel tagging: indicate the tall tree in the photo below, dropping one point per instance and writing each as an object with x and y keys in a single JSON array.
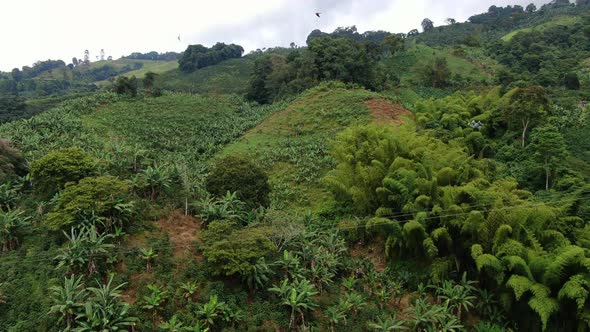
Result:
[
  {"x": 527, "y": 107},
  {"x": 550, "y": 150},
  {"x": 86, "y": 57},
  {"x": 427, "y": 24},
  {"x": 393, "y": 44},
  {"x": 17, "y": 75},
  {"x": 450, "y": 21},
  {"x": 531, "y": 8}
]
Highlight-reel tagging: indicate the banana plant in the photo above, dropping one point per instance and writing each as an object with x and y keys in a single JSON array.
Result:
[
  {"x": 148, "y": 255},
  {"x": 173, "y": 325},
  {"x": 189, "y": 289},
  {"x": 104, "y": 310},
  {"x": 12, "y": 223},
  {"x": 154, "y": 301},
  {"x": 211, "y": 312},
  {"x": 68, "y": 300}
]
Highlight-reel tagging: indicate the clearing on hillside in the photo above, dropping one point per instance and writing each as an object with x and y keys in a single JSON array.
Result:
[
  {"x": 384, "y": 111},
  {"x": 293, "y": 146}
]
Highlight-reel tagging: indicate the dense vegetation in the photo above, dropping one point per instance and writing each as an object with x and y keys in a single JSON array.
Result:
[
  {"x": 198, "y": 56},
  {"x": 433, "y": 181}
]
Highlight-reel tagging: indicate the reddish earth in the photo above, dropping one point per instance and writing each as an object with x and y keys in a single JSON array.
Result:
[
  {"x": 182, "y": 231},
  {"x": 385, "y": 111}
]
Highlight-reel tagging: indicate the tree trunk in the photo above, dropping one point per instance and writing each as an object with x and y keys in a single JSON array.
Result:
[
  {"x": 525, "y": 125},
  {"x": 186, "y": 206},
  {"x": 547, "y": 175}
]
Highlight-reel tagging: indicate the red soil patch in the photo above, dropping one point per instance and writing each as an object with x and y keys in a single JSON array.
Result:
[
  {"x": 182, "y": 231},
  {"x": 385, "y": 111}
]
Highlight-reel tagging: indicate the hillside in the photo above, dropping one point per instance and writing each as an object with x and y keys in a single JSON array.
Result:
[
  {"x": 230, "y": 76},
  {"x": 434, "y": 181}
]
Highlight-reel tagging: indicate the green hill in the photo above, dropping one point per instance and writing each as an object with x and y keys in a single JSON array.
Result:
[
  {"x": 557, "y": 21},
  {"x": 230, "y": 76},
  {"x": 292, "y": 145}
]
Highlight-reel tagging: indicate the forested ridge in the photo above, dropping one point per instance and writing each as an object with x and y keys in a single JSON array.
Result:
[{"x": 431, "y": 180}]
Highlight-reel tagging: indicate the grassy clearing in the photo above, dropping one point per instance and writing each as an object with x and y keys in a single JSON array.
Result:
[
  {"x": 560, "y": 20},
  {"x": 230, "y": 76},
  {"x": 293, "y": 145},
  {"x": 406, "y": 64}
]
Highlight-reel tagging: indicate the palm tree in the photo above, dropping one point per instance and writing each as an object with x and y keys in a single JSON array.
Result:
[
  {"x": 69, "y": 299},
  {"x": 388, "y": 324},
  {"x": 148, "y": 254},
  {"x": 105, "y": 311}
]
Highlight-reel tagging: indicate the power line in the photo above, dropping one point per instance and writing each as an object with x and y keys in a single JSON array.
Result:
[{"x": 47, "y": 258}]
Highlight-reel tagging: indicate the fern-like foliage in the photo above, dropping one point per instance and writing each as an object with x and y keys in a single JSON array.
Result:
[
  {"x": 517, "y": 265},
  {"x": 568, "y": 257},
  {"x": 576, "y": 289},
  {"x": 492, "y": 265},
  {"x": 519, "y": 284}
]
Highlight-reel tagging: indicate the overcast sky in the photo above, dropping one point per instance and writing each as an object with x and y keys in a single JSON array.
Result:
[{"x": 32, "y": 30}]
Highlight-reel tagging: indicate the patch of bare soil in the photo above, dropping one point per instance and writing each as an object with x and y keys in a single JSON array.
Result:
[
  {"x": 182, "y": 231},
  {"x": 373, "y": 252},
  {"x": 384, "y": 111}
]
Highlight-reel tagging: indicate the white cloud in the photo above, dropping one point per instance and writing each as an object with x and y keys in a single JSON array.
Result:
[{"x": 32, "y": 30}]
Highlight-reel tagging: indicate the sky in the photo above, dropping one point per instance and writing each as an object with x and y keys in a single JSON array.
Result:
[{"x": 32, "y": 30}]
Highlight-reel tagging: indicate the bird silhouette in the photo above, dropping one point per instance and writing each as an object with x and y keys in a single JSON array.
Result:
[
  {"x": 317, "y": 14},
  {"x": 178, "y": 37}
]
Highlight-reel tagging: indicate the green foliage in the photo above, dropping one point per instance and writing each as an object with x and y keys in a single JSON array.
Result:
[
  {"x": 550, "y": 150},
  {"x": 199, "y": 56},
  {"x": 54, "y": 170},
  {"x": 90, "y": 309},
  {"x": 325, "y": 59},
  {"x": 104, "y": 197},
  {"x": 239, "y": 175},
  {"x": 436, "y": 74},
  {"x": 126, "y": 86},
  {"x": 12, "y": 163},
  {"x": 12, "y": 226},
  {"x": 231, "y": 251},
  {"x": 528, "y": 107}
]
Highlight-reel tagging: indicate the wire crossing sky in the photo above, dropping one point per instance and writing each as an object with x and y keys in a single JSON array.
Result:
[{"x": 32, "y": 30}]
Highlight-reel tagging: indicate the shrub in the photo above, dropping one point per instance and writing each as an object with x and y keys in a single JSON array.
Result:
[
  {"x": 105, "y": 197},
  {"x": 230, "y": 250},
  {"x": 235, "y": 174},
  {"x": 51, "y": 172}
]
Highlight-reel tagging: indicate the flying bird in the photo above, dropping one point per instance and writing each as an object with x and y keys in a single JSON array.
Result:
[
  {"x": 317, "y": 14},
  {"x": 178, "y": 37}
]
